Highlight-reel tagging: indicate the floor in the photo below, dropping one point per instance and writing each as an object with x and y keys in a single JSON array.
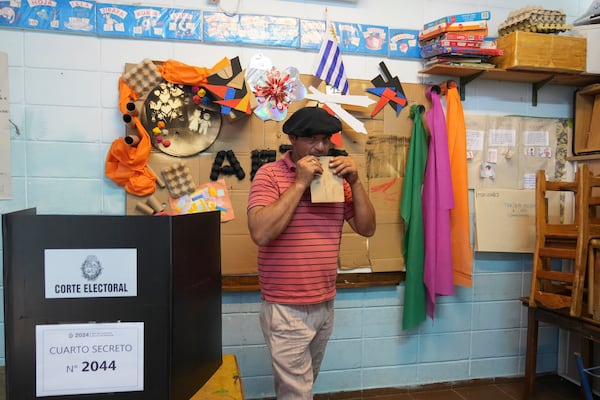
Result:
[{"x": 548, "y": 387}]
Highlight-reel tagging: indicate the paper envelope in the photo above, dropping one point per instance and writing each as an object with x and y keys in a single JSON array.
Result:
[{"x": 327, "y": 188}]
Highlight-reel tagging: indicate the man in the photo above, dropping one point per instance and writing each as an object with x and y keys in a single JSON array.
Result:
[{"x": 299, "y": 244}]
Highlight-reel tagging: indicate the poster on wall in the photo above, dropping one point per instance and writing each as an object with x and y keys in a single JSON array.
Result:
[
  {"x": 78, "y": 16},
  {"x": 263, "y": 30},
  {"x": 352, "y": 38},
  {"x": 505, "y": 220},
  {"x": 5, "y": 171},
  {"x": 10, "y": 13},
  {"x": 183, "y": 24},
  {"x": 404, "y": 43},
  {"x": 89, "y": 358},
  {"x": 364, "y": 39},
  {"x": 40, "y": 15},
  {"x": 148, "y": 22},
  {"x": 311, "y": 33}
]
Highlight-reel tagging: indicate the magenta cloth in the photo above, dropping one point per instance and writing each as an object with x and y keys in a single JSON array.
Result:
[{"x": 438, "y": 200}]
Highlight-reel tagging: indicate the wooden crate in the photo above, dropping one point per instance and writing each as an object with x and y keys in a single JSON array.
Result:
[{"x": 542, "y": 52}]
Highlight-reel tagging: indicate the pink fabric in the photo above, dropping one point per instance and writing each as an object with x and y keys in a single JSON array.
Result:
[{"x": 438, "y": 200}]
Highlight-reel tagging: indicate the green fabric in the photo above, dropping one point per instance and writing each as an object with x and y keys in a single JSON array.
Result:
[{"x": 411, "y": 209}]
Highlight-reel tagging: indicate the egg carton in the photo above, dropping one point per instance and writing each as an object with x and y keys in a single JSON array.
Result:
[
  {"x": 536, "y": 28},
  {"x": 142, "y": 77},
  {"x": 179, "y": 180},
  {"x": 534, "y": 19}
]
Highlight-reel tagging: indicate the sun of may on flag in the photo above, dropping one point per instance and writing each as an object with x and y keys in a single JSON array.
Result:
[{"x": 329, "y": 66}]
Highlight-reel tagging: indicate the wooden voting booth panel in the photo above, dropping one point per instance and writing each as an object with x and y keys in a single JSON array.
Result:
[
  {"x": 111, "y": 307},
  {"x": 380, "y": 155}
]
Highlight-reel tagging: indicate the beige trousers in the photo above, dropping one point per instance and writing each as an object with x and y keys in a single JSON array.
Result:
[{"x": 296, "y": 336}]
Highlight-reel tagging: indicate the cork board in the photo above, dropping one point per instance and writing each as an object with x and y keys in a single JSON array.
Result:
[{"x": 380, "y": 155}]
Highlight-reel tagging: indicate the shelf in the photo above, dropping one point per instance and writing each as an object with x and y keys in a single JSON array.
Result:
[{"x": 537, "y": 79}]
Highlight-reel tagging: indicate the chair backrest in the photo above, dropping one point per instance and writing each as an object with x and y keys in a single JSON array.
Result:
[{"x": 556, "y": 204}]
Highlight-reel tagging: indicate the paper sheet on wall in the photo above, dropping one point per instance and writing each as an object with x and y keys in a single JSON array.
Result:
[
  {"x": 505, "y": 220},
  {"x": 506, "y": 151},
  {"x": 5, "y": 172}
]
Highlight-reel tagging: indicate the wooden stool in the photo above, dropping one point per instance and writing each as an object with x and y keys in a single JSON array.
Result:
[{"x": 226, "y": 382}]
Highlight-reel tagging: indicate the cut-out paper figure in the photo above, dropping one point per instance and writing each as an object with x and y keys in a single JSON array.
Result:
[
  {"x": 204, "y": 124},
  {"x": 195, "y": 119}
]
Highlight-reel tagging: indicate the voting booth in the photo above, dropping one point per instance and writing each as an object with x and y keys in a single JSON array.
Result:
[{"x": 111, "y": 307}]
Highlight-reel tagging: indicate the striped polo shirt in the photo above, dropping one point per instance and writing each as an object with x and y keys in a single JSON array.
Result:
[{"x": 300, "y": 266}]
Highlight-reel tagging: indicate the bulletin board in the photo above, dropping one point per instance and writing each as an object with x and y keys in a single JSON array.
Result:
[
  {"x": 380, "y": 155},
  {"x": 504, "y": 153},
  {"x": 507, "y": 151}
]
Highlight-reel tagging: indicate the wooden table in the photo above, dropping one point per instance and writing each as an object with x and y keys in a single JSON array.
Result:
[
  {"x": 226, "y": 382},
  {"x": 587, "y": 328}
]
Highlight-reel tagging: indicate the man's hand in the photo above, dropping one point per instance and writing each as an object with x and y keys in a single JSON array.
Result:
[
  {"x": 344, "y": 167},
  {"x": 306, "y": 169}
]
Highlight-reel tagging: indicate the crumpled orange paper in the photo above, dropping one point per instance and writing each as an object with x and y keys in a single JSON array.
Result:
[{"x": 127, "y": 165}]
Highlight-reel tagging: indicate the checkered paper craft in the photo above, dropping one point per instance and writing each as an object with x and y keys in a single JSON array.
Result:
[{"x": 142, "y": 77}]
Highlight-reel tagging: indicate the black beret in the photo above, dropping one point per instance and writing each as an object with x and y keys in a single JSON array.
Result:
[{"x": 310, "y": 121}]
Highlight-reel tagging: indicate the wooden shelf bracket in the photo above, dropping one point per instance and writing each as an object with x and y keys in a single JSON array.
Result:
[
  {"x": 537, "y": 86},
  {"x": 464, "y": 80}
]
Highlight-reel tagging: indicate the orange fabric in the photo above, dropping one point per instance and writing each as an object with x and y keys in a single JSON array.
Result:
[
  {"x": 178, "y": 72},
  {"x": 462, "y": 255},
  {"x": 126, "y": 94},
  {"x": 126, "y": 165}
]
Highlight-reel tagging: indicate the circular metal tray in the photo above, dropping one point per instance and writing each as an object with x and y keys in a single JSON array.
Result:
[{"x": 189, "y": 128}]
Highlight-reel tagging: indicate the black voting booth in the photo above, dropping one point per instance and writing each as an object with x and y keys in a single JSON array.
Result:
[{"x": 178, "y": 296}]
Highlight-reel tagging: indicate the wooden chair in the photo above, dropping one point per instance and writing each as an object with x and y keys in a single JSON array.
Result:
[
  {"x": 593, "y": 264},
  {"x": 552, "y": 285},
  {"x": 590, "y": 232}
]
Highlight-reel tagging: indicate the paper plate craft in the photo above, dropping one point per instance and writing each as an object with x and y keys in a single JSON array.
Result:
[
  {"x": 273, "y": 89},
  {"x": 179, "y": 122}
]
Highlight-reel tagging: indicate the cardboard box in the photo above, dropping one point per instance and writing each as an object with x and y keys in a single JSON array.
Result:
[
  {"x": 592, "y": 34},
  {"x": 586, "y": 135},
  {"x": 541, "y": 52}
]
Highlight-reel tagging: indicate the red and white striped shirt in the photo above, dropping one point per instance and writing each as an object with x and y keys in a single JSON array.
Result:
[{"x": 300, "y": 266}]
